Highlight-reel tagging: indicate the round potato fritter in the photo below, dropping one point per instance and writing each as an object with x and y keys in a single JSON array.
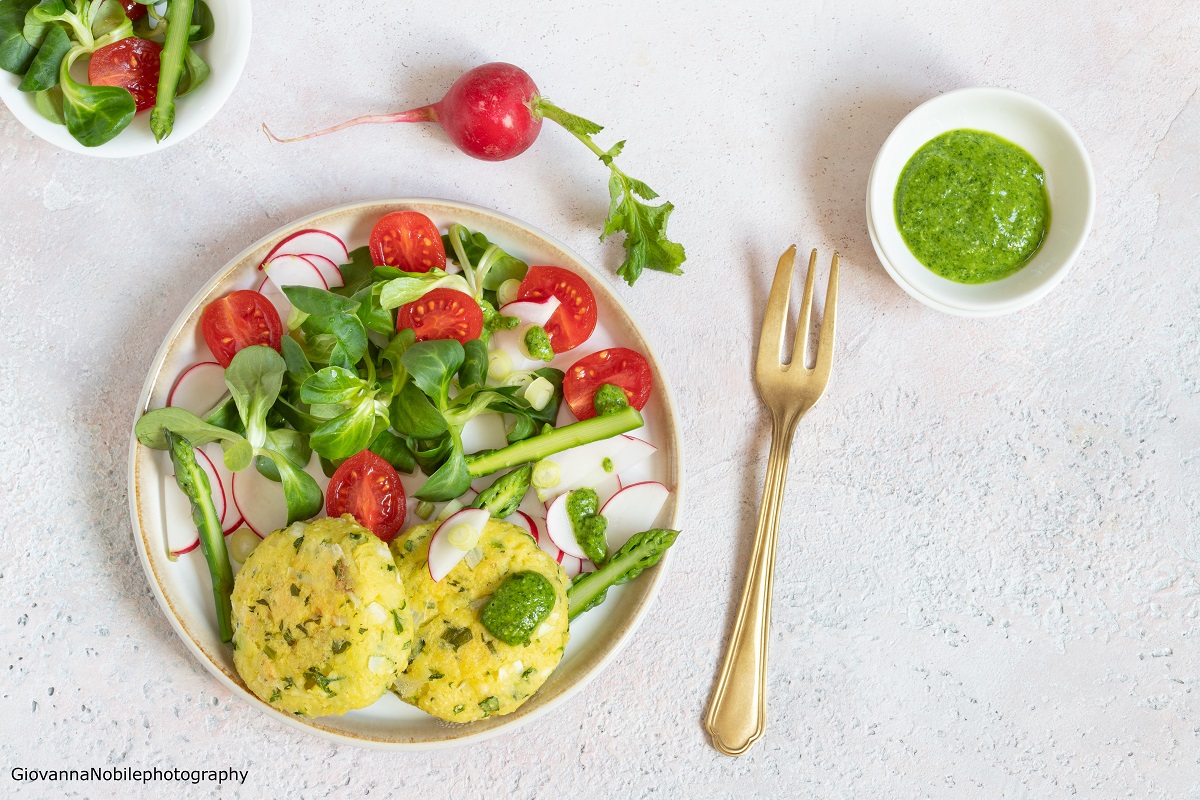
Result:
[
  {"x": 321, "y": 623},
  {"x": 461, "y": 672}
]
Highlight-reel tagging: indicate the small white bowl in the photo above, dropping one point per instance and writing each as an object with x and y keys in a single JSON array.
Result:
[
  {"x": 225, "y": 53},
  {"x": 1070, "y": 186}
]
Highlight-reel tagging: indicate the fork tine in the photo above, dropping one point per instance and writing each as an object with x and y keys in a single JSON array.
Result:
[
  {"x": 825, "y": 343},
  {"x": 800, "y": 345},
  {"x": 775, "y": 318}
]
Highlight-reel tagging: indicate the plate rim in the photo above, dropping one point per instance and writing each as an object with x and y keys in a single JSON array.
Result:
[{"x": 311, "y": 725}]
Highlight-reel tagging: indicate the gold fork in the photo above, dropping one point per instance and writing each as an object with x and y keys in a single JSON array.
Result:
[{"x": 737, "y": 716}]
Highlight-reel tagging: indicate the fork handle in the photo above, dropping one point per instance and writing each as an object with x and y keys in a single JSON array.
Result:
[{"x": 737, "y": 716}]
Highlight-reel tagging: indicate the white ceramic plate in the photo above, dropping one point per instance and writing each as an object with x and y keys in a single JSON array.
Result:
[
  {"x": 183, "y": 588},
  {"x": 1070, "y": 186},
  {"x": 225, "y": 53}
]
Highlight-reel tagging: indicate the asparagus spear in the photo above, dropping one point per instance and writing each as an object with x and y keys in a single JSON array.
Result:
[
  {"x": 179, "y": 21},
  {"x": 502, "y": 497},
  {"x": 642, "y": 551},
  {"x": 557, "y": 440},
  {"x": 194, "y": 483}
]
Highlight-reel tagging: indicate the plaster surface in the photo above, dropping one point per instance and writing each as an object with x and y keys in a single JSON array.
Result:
[{"x": 987, "y": 582}]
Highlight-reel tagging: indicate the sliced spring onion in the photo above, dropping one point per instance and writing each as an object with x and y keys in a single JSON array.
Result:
[
  {"x": 546, "y": 474},
  {"x": 508, "y": 291},
  {"x": 539, "y": 393}
]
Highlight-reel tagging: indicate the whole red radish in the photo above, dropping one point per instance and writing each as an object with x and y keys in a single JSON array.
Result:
[
  {"x": 494, "y": 112},
  {"x": 488, "y": 113}
]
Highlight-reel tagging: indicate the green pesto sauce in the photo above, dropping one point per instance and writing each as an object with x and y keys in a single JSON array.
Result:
[
  {"x": 537, "y": 343},
  {"x": 516, "y": 609},
  {"x": 609, "y": 399},
  {"x": 972, "y": 207},
  {"x": 608, "y": 465},
  {"x": 583, "y": 509}
]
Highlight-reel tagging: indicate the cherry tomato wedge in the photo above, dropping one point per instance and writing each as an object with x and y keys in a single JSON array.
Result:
[
  {"x": 575, "y": 320},
  {"x": 368, "y": 487},
  {"x": 130, "y": 63},
  {"x": 133, "y": 9},
  {"x": 442, "y": 314},
  {"x": 239, "y": 320},
  {"x": 619, "y": 366},
  {"x": 408, "y": 240}
]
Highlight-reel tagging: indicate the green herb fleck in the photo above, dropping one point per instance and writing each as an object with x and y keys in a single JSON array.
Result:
[
  {"x": 490, "y": 705},
  {"x": 396, "y": 622},
  {"x": 296, "y": 544},
  {"x": 295, "y": 590},
  {"x": 340, "y": 646},
  {"x": 275, "y": 695},
  {"x": 457, "y": 637},
  {"x": 317, "y": 678}
]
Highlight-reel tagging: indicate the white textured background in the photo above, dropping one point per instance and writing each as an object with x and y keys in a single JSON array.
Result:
[{"x": 988, "y": 578}]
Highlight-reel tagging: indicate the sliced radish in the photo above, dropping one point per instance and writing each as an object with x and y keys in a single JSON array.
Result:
[
  {"x": 444, "y": 556},
  {"x": 572, "y": 566},
  {"x": 233, "y": 526},
  {"x": 278, "y": 299},
  {"x": 512, "y": 341},
  {"x": 484, "y": 432},
  {"x": 606, "y": 488},
  {"x": 290, "y": 270},
  {"x": 584, "y": 465},
  {"x": 199, "y": 388},
  {"x": 183, "y": 538},
  {"x": 560, "y": 529},
  {"x": 524, "y": 522},
  {"x": 531, "y": 312},
  {"x": 329, "y": 270},
  {"x": 312, "y": 240},
  {"x": 260, "y": 501},
  {"x": 551, "y": 549},
  {"x": 632, "y": 510},
  {"x": 215, "y": 456}
]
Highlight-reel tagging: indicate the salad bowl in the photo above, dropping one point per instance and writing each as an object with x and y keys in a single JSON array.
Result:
[
  {"x": 182, "y": 587},
  {"x": 225, "y": 52}
]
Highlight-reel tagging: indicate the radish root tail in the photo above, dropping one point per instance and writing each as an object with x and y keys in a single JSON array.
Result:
[{"x": 423, "y": 114}]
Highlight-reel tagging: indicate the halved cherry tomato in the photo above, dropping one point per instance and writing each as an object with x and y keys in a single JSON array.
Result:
[
  {"x": 239, "y": 320},
  {"x": 133, "y": 9},
  {"x": 366, "y": 486},
  {"x": 619, "y": 366},
  {"x": 575, "y": 320},
  {"x": 131, "y": 63},
  {"x": 408, "y": 240},
  {"x": 442, "y": 314}
]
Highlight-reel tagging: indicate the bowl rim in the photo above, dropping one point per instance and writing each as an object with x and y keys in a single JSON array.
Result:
[
  {"x": 225, "y": 79},
  {"x": 877, "y": 193},
  {"x": 472, "y": 734}
]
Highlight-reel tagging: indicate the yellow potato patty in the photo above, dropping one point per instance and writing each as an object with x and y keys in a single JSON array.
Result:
[
  {"x": 321, "y": 620},
  {"x": 461, "y": 672}
]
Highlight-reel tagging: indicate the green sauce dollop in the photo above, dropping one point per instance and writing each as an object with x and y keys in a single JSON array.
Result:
[
  {"x": 516, "y": 609},
  {"x": 609, "y": 399},
  {"x": 972, "y": 207},
  {"x": 537, "y": 342},
  {"x": 583, "y": 508}
]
